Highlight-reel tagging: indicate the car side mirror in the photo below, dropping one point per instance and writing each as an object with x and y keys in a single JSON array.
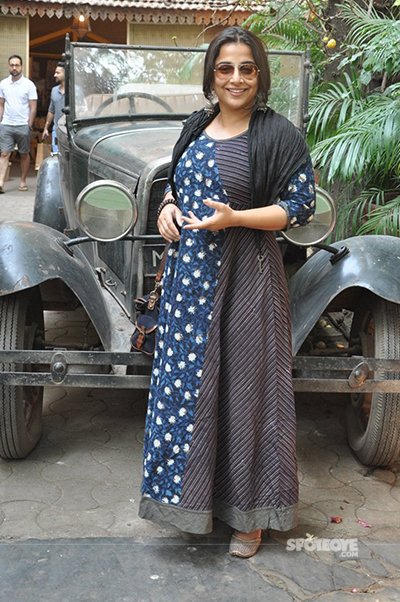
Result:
[{"x": 320, "y": 226}]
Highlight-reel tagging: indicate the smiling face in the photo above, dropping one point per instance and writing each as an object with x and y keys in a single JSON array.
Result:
[{"x": 235, "y": 91}]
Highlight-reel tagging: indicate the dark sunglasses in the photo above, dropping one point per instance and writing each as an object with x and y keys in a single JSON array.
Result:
[{"x": 246, "y": 70}]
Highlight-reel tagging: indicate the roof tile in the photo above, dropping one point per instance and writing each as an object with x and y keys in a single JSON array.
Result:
[{"x": 223, "y": 5}]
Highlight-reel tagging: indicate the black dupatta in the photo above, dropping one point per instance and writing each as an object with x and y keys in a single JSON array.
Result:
[{"x": 276, "y": 151}]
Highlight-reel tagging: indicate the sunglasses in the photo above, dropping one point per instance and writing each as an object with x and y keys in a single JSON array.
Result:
[{"x": 246, "y": 70}]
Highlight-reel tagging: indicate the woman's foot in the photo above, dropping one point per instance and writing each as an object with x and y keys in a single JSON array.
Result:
[{"x": 245, "y": 545}]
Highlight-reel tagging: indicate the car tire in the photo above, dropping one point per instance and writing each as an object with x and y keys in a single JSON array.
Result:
[
  {"x": 373, "y": 419},
  {"x": 21, "y": 328}
]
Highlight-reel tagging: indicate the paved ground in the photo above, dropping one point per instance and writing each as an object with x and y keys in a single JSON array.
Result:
[{"x": 68, "y": 513}]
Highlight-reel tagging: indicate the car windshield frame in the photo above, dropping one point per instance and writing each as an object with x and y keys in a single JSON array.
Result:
[{"x": 113, "y": 82}]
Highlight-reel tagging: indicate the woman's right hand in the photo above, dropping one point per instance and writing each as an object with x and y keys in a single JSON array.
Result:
[{"x": 169, "y": 222}]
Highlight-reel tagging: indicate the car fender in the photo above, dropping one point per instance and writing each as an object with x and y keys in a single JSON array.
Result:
[
  {"x": 31, "y": 254},
  {"x": 48, "y": 208},
  {"x": 373, "y": 263}
]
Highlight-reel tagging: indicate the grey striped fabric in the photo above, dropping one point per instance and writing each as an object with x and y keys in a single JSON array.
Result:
[{"x": 242, "y": 462}]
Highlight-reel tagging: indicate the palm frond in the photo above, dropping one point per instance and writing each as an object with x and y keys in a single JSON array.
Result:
[
  {"x": 290, "y": 33},
  {"x": 384, "y": 219},
  {"x": 352, "y": 214},
  {"x": 361, "y": 207},
  {"x": 275, "y": 40},
  {"x": 367, "y": 145},
  {"x": 368, "y": 25},
  {"x": 333, "y": 104},
  {"x": 293, "y": 30},
  {"x": 376, "y": 36},
  {"x": 354, "y": 132}
]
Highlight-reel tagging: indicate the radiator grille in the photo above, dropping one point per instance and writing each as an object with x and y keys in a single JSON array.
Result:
[{"x": 156, "y": 196}]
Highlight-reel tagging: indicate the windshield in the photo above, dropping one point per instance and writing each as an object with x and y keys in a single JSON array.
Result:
[{"x": 131, "y": 81}]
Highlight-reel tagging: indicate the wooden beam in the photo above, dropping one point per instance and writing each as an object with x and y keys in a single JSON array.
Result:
[
  {"x": 96, "y": 38},
  {"x": 60, "y": 33},
  {"x": 46, "y": 55}
]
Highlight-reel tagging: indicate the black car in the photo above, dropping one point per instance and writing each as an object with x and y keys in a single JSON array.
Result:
[{"x": 94, "y": 243}]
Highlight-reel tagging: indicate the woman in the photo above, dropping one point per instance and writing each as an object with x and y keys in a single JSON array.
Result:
[{"x": 220, "y": 430}]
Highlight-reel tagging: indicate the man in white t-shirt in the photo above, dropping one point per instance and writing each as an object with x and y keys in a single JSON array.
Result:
[{"x": 18, "y": 103}]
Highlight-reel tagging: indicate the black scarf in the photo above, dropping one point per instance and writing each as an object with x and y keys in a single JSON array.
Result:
[{"x": 277, "y": 150}]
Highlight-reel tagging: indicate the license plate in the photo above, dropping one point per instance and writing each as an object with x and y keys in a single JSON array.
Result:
[{"x": 151, "y": 258}]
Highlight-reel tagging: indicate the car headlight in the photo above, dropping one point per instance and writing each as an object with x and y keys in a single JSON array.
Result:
[
  {"x": 320, "y": 227},
  {"x": 106, "y": 210}
]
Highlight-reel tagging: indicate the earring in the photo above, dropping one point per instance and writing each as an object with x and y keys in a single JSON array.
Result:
[{"x": 260, "y": 103}]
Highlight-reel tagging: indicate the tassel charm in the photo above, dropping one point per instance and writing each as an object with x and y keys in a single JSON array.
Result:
[{"x": 260, "y": 263}]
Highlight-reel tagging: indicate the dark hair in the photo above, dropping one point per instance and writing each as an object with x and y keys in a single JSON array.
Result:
[
  {"x": 15, "y": 56},
  {"x": 61, "y": 64},
  {"x": 238, "y": 35}
]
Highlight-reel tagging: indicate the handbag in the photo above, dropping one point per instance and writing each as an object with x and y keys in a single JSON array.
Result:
[{"x": 147, "y": 308}]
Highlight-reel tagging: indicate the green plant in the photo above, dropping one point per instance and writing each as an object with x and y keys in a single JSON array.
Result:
[
  {"x": 292, "y": 25},
  {"x": 366, "y": 145},
  {"x": 332, "y": 105},
  {"x": 375, "y": 42},
  {"x": 355, "y": 124}
]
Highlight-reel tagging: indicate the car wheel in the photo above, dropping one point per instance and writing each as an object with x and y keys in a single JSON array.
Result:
[
  {"x": 373, "y": 419},
  {"x": 21, "y": 328}
]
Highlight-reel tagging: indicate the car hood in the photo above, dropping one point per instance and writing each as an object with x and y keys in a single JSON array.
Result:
[{"x": 126, "y": 147}]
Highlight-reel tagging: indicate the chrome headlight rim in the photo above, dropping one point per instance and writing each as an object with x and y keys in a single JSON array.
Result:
[{"x": 99, "y": 184}]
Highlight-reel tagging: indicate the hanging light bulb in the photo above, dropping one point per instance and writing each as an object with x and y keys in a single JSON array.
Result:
[{"x": 81, "y": 26}]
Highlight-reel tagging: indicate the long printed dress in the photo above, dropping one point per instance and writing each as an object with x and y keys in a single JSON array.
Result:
[{"x": 220, "y": 427}]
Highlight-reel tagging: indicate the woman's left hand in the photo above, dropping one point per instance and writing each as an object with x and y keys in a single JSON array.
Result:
[{"x": 223, "y": 217}]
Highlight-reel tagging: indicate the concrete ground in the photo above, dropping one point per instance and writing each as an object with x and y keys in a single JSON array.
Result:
[{"x": 69, "y": 528}]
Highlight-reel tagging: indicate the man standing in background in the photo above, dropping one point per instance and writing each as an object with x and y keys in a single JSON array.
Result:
[
  {"x": 56, "y": 106},
  {"x": 18, "y": 104}
]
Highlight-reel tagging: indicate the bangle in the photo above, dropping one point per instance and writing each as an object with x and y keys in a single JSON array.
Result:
[{"x": 167, "y": 201}]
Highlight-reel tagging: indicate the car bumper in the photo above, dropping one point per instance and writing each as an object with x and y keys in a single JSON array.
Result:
[{"x": 104, "y": 369}]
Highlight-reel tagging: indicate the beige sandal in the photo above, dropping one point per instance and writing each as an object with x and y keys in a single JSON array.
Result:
[{"x": 244, "y": 548}]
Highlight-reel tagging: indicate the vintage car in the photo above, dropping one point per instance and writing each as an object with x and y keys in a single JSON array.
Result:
[{"x": 93, "y": 243}]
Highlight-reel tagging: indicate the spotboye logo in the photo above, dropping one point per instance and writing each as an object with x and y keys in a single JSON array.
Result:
[{"x": 346, "y": 548}]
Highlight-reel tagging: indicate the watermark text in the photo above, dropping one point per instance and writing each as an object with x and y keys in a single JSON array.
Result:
[{"x": 346, "y": 548}]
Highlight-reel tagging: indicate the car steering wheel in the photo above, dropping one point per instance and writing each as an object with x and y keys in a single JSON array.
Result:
[{"x": 132, "y": 96}]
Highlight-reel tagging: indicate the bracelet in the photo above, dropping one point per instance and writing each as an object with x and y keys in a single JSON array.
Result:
[{"x": 167, "y": 201}]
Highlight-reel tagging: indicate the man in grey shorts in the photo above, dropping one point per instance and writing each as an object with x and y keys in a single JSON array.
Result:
[
  {"x": 18, "y": 103},
  {"x": 56, "y": 106}
]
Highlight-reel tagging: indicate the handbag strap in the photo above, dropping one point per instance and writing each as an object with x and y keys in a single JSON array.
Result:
[
  {"x": 156, "y": 292},
  {"x": 161, "y": 267}
]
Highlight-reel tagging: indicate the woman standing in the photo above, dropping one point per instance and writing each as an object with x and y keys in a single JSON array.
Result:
[{"x": 220, "y": 430}]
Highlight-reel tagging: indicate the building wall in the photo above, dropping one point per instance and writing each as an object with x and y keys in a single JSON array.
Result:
[
  {"x": 14, "y": 39},
  {"x": 169, "y": 35}
]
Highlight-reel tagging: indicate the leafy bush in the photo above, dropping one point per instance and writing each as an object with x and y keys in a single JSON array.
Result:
[{"x": 355, "y": 124}]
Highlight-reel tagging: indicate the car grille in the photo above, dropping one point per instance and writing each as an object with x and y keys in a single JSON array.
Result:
[
  {"x": 152, "y": 250},
  {"x": 156, "y": 196}
]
